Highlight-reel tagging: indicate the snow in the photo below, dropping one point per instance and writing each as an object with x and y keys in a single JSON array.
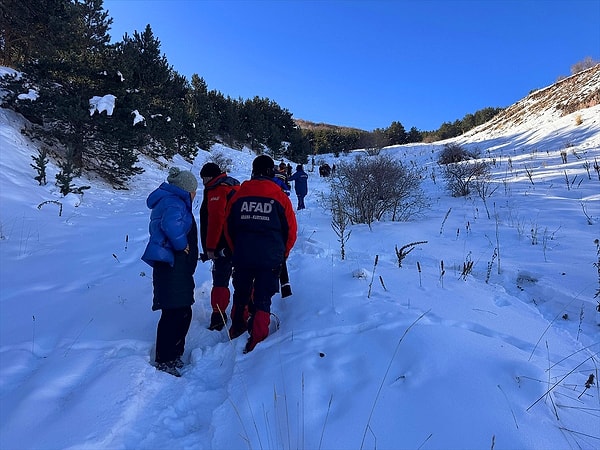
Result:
[
  {"x": 100, "y": 104},
  {"x": 31, "y": 95},
  {"x": 138, "y": 118},
  {"x": 497, "y": 359}
]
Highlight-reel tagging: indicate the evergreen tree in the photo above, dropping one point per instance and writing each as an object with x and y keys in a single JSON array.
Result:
[
  {"x": 40, "y": 164},
  {"x": 67, "y": 71},
  {"x": 31, "y": 29},
  {"x": 65, "y": 176},
  {"x": 414, "y": 135},
  {"x": 158, "y": 93},
  {"x": 201, "y": 109},
  {"x": 396, "y": 134},
  {"x": 229, "y": 118}
]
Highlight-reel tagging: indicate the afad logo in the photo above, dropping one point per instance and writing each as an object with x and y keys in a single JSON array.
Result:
[{"x": 257, "y": 207}]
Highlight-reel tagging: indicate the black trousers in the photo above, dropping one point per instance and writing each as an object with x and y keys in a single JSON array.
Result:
[
  {"x": 256, "y": 284},
  {"x": 221, "y": 271},
  {"x": 171, "y": 332}
]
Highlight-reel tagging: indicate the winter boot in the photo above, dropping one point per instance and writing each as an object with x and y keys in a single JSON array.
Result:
[
  {"x": 259, "y": 331},
  {"x": 178, "y": 363},
  {"x": 169, "y": 367}
]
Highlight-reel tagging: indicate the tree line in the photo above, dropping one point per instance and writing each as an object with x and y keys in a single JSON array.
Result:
[{"x": 64, "y": 54}]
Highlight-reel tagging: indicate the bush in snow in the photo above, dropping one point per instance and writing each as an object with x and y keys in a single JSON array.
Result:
[
  {"x": 377, "y": 188},
  {"x": 453, "y": 153},
  {"x": 460, "y": 170}
]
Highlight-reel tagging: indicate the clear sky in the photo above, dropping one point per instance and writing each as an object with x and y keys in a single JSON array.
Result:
[{"x": 365, "y": 64}]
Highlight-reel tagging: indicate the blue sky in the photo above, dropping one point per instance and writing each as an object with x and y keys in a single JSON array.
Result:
[{"x": 365, "y": 64}]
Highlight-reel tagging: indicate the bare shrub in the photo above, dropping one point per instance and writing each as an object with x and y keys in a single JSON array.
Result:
[
  {"x": 460, "y": 176},
  {"x": 377, "y": 188},
  {"x": 339, "y": 223},
  {"x": 219, "y": 158},
  {"x": 460, "y": 169},
  {"x": 485, "y": 190},
  {"x": 454, "y": 153},
  {"x": 587, "y": 63}
]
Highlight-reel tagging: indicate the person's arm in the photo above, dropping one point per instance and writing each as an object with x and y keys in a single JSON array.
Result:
[
  {"x": 216, "y": 204},
  {"x": 176, "y": 225}
]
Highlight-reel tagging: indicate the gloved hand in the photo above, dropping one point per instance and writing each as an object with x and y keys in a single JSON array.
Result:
[{"x": 216, "y": 254}]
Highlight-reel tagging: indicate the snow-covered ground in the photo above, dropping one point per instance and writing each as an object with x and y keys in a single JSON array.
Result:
[{"x": 497, "y": 359}]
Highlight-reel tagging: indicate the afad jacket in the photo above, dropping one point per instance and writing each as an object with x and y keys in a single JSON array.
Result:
[
  {"x": 171, "y": 221},
  {"x": 217, "y": 194},
  {"x": 261, "y": 225}
]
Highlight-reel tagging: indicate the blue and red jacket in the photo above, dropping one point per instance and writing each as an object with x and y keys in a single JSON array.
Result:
[
  {"x": 261, "y": 225},
  {"x": 212, "y": 211}
]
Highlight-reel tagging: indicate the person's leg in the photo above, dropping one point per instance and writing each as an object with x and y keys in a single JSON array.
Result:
[
  {"x": 243, "y": 281},
  {"x": 219, "y": 295},
  {"x": 184, "y": 319},
  {"x": 266, "y": 284},
  {"x": 167, "y": 336}
]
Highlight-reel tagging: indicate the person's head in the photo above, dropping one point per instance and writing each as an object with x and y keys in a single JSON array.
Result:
[
  {"x": 299, "y": 167},
  {"x": 263, "y": 166},
  {"x": 183, "y": 179},
  {"x": 282, "y": 166},
  {"x": 209, "y": 171}
]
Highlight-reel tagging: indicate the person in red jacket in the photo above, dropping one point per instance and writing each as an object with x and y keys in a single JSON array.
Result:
[
  {"x": 261, "y": 230},
  {"x": 218, "y": 189}
]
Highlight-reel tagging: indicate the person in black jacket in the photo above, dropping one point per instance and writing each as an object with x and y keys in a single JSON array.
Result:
[
  {"x": 261, "y": 230},
  {"x": 172, "y": 252}
]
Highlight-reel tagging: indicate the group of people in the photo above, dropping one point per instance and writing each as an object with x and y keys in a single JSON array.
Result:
[
  {"x": 283, "y": 176},
  {"x": 247, "y": 230}
]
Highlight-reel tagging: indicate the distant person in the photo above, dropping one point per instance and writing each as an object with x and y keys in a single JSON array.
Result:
[
  {"x": 261, "y": 230},
  {"x": 281, "y": 178},
  {"x": 172, "y": 252},
  {"x": 218, "y": 190},
  {"x": 324, "y": 170},
  {"x": 300, "y": 179},
  {"x": 289, "y": 170}
]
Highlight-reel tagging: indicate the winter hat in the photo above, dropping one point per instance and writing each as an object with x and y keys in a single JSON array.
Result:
[
  {"x": 183, "y": 179},
  {"x": 210, "y": 170},
  {"x": 263, "y": 165}
]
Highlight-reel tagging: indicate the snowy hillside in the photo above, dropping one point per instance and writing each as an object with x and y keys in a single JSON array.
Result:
[{"x": 366, "y": 356}]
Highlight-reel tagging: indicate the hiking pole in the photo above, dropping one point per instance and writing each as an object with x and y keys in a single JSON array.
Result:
[{"x": 284, "y": 281}]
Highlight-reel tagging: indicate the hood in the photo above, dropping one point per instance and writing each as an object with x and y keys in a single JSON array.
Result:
[{"x": 168, "y": 190}]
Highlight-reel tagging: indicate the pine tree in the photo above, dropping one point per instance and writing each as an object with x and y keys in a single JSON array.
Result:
[
  {"x": 64, "y": 178},
  {"x": 158, "y": 92},
  {"x": 40, "y": 164},
  {"x": 414, "y": 135},
  {"x": 396, "y": 134},
  {"x": 68, "y": 72},
  {"x": 202, "y": 111}
]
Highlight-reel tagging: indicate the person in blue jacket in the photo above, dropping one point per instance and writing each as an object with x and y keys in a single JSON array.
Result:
[
  {"x": 172, "y": 252},
  {"x": 300, "y": 179}
]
